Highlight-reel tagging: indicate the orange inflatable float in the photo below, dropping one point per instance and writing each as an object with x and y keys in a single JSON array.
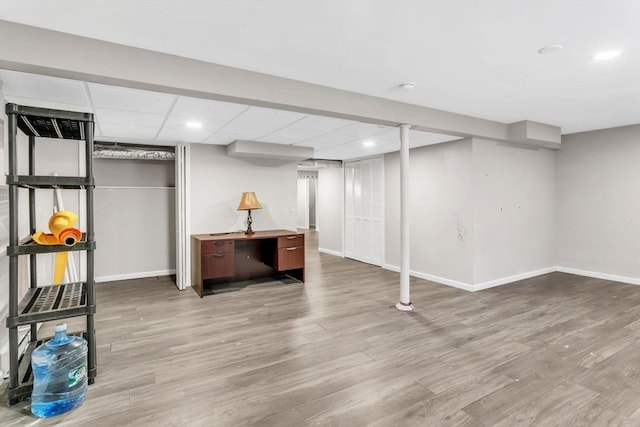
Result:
[{"x": 62, "y": 233}]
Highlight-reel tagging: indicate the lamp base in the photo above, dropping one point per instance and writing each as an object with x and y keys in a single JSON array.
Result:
[{"x": 249, "y": 221}]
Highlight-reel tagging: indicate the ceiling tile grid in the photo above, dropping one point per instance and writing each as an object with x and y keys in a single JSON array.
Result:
[
  {"x": 117, "y": 98},
  {"x": 130, "y": 115},
  {"x": 32, "y": 89}
]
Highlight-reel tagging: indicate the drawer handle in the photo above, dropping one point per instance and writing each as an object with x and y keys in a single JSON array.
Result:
[
  {"x": 291, "y": 249},
  {"x": 291, "y": 237},
  {"x": 218, "y": 255},
  {"x": 219, "y": 243}
]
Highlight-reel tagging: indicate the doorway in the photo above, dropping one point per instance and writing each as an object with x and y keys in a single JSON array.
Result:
[
  {"x": 135, "y": 215},
  {"x": 307, "y": 188}
]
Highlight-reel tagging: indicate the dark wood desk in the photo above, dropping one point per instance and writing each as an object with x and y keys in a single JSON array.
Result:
[{"x": 231, "y": 257}]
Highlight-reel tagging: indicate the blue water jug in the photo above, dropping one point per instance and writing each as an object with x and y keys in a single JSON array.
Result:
[{"x": 59, "y": 374}]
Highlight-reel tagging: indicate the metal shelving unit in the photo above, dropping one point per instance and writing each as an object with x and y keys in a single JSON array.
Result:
[{"x": 51, "y": 302}]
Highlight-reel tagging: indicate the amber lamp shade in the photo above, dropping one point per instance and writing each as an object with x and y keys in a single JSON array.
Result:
[{"x": 248, "y": 202}]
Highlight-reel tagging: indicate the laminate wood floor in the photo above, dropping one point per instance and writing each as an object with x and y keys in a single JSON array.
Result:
[{"x": 555, "y": 350}]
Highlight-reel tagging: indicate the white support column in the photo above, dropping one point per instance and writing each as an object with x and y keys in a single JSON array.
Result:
[{"x": 405, "y": 298}]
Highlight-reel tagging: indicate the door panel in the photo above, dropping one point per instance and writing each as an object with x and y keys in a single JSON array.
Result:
[{"x": 364, "y": 210}]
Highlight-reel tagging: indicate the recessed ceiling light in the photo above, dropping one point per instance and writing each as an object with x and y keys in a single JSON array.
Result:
[
  {"x": 193, "y": 125},
  {"x": 368, "y": 143},
  {"x": 609, "y": 54},
  {"x": 407, "y": 86},
  {"x": 552, "y": 48}
]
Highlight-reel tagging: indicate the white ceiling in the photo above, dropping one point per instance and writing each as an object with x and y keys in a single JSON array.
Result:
[
  {"x": 129, "y": 115},
  {"x": 472, "y": 57}
]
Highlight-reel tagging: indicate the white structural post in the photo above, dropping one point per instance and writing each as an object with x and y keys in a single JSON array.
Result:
[{"x": 405, "y": 298}]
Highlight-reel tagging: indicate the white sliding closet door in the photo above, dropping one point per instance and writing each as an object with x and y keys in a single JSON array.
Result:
[
  {"x": 364, "y": 210},
  {"x": 182, "y": 197}
]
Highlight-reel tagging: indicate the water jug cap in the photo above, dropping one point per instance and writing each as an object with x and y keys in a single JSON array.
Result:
[{"x": 61, "y": 327}]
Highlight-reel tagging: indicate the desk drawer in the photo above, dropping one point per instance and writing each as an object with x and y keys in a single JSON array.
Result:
[
  {"x": 290, "y": 258},
  {"x": 290, "y": 241},
  {"x": 217, "y": 246},
  {"x": 218, "y": 265}
]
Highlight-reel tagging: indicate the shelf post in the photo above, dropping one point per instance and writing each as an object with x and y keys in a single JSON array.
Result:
[
  {"x": 13, "y": 260},
  {"x": 90, "y": 281},
  {"x": 33, "y": 271}
]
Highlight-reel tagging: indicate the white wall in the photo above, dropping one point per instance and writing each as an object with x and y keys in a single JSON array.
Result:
[
  {"x": 134, "y": 218},
  {"x": 441, "y": 220},
  {"x": 53, "y": 156},
  {"x": 329, "y": 214},
  {"x": 303, "y": 203},
  {"x": 62, "y": 157},
  {"x": 217, "y": 183},
  {"x": 481, "y": 212},
  {"x": 599, "y": 203},
  {"x": 514, "y": 203}
]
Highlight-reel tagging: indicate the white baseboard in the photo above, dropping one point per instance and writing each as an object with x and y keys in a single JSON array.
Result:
[
  {"x": 510, "y": 279},
  {"x": 597, "y": 275},
  {"x": 141, "y": 275},
  {"x": 514, "y": 278},
  {"x": 443, "y": 280},
  {"x": 391, "y": 267},
  {"x": 330, "y": 252},
  {"x": 432, "y": 278}
]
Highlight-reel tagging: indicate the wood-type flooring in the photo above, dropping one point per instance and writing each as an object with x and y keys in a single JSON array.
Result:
[{"x": 554, "y": 350}]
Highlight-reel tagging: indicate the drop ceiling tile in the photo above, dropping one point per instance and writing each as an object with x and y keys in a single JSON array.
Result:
[
  {"x": 274, "y": 119},
  {"x": 183, "y": 135},
  {"x": 129, "y": 117},
  {"x": 325, "y": 141},
  {"x": 384, "y": 144},
  {"x": 362, "y": 130},
  {"x": 390, "y": 136},
  {"x": 319, "y": 124},
  {"x": 40, "y": 88},
  {"x": 126, "y": 131},
  {"x": 247, "y": 130},
  {"x": 352, "y": 133},
  {"x": 306, "y": 128},
  {"x": 47, "y": 104},
  {"x": 220, "y": 139},
  {"x": 205, "y": 110},
  {"x": 179, "y": 123},
  {"x": 127, "y": 114},
  {"x": 117, "y": 98},
  {"x": 232, "y": 136}
]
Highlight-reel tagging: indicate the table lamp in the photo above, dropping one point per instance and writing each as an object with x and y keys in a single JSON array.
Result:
[{"x": 248, "y": 202}]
